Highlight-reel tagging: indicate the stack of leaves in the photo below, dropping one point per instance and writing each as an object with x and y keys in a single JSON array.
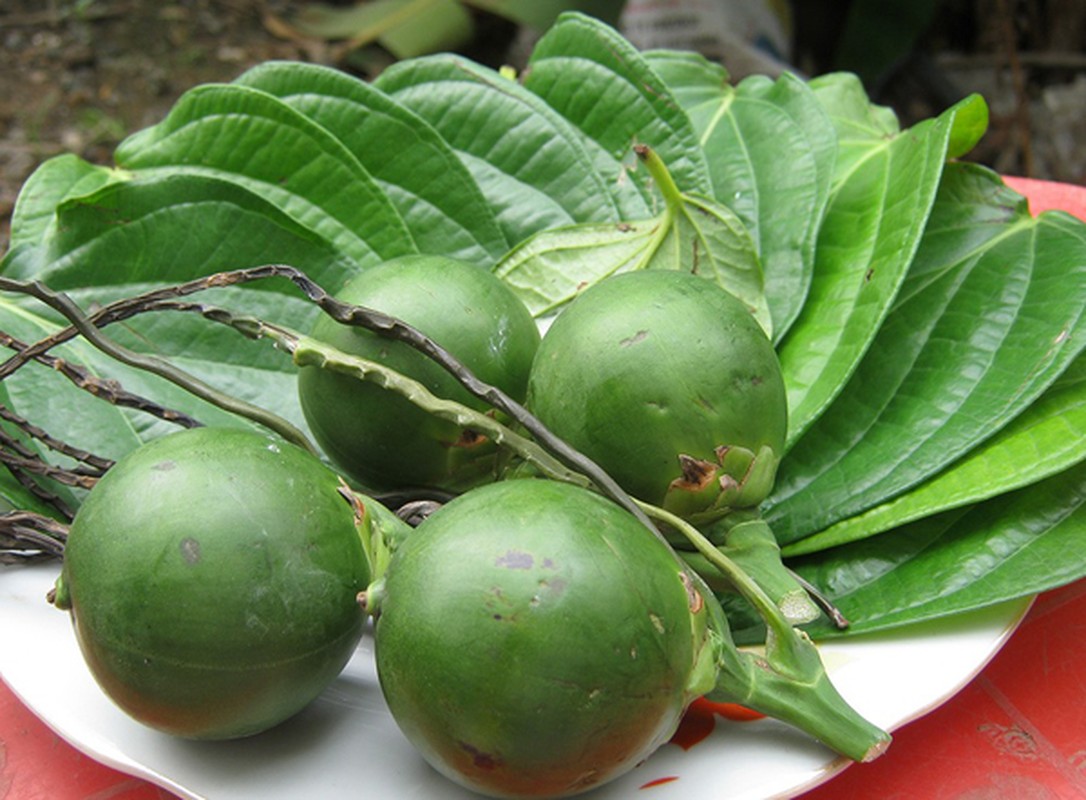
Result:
[{"x": 929, "y": 328}]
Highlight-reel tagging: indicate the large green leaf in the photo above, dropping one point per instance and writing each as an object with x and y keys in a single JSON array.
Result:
[
  {"x": 1045, "y": 439},
  {"x": 1012, "y": 546},
  {"x": 694, "y": 234},
  {"x": 531, "y": 165},
  {"x": 47, "y": 187},
  {"x": 134, "y": 235},
  {"x": 430, "y": 187},
  {"x": 608, "y": 90},
  {"x": 967, "y": 349},
  {"x": 861, "y": 125},
  {"x": 249, "y": 137},
  {"x": 140, "y": 232},
  {"x": 869, "y": 235},
  {"x": 743, "y": 130}
]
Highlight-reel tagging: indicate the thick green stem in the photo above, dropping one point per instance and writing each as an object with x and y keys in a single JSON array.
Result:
[
  {"x": 814, "y": 706},
  {"x": 747, "y": 539},
  {"x": 735, "y": 575},
  {"x": 789, "y": 682},
  {"x": 658, "y": 170}
]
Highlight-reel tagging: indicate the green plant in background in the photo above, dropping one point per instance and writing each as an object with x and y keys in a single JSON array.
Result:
[{"x": 410, "y": 28}]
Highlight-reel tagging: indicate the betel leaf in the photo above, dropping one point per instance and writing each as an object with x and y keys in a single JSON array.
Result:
[
  {"x": 531, "y": 165},
  {"x": 860, "y": 125},
  {"x": 600, "y": 82},
  {"x": 963, "y": 352},
  {"x": 693, "y": 234},
  {"x": 743, "y": 130},
  {"x": 549, "y": 269},
  {"x": 14, "y": 494},
  {"x": 48, "y": 186},
  {"x": 1047, "y": 438},
  {"x": 867, "y": 240},
  {"x": 253, "y": 139},
  {"x": 134, "y": 235},
  {"x": 1012, "y": 546},
  {"x": 430, "y": 187},
  {"x": 141, "y": 232}
]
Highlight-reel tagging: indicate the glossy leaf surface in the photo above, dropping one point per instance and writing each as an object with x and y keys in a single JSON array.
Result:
[
  {"x": 253, "y": 139},
  {"x": 1045, "y": 439},
  {"x": 532, "y": 166},
  {"x": 1012, "y": 546},
  {"x": 600, "y": 83},
  {"x": 983, "y": 327},
  {"x": 743, "y": 129},
  {"x": 429, "y": 186},
  {"x": 867, "y": 240}
]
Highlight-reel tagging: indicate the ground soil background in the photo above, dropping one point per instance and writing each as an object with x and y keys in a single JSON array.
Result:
[{"x": 78, "y": 75}]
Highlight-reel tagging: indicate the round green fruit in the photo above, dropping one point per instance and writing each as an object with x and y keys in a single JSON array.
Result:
[
  {"x": 212, "y": 577},
  {"x": 534, "y": 640},
  {"x": 383, "y": 440},
  {"x": 668, "y": 383}
]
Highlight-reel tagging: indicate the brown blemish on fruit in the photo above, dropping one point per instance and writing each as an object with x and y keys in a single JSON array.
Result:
[
  {"x": 515, "y": 559},
  {"x": 637, "y": 337},
  {"x": 693, "y": 596},
  {"x": 479, "y": 759},
  {"x": 696, "y": 474},
  {"x": 469, "y": 438},
  {"x": 190, "y": 550},
  {"x": 358, "y": 508},
  {"x": 165, "y": 466}
]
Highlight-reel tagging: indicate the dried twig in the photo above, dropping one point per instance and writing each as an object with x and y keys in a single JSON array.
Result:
[
  {"x": 109, "y": 390},
  {"x": 89, "y": 328},
  {"x": 25, "y": 536},
  {"x": 345, "y": 313},
  {"x": 1018, "y": 79}
]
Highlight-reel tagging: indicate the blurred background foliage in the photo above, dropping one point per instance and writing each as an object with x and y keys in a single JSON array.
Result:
[{"x": 77, "y": 75}]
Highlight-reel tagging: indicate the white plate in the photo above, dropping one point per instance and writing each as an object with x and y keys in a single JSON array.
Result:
[{"x": 346, "y": 743}]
